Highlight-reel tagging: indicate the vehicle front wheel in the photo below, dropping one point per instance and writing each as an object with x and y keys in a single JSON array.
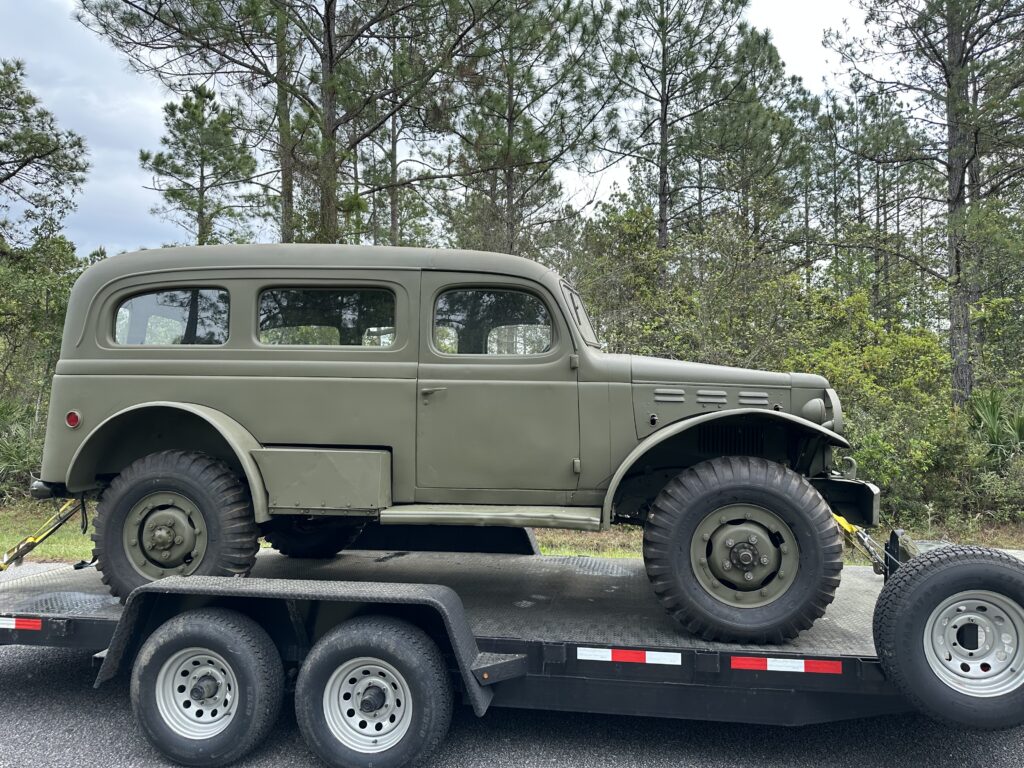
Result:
[
  {"x": 741, "y": 549},
  {"x": 173, "y": 513},
  {"x": 374, "y": 692}
]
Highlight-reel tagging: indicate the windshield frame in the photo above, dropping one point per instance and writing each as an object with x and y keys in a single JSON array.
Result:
[{"x": 579, "y": 314}]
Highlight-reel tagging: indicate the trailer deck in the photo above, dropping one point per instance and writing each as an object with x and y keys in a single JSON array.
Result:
[
  {"x": 602, "y": 601},
  {"x": 594, "y": 636}
]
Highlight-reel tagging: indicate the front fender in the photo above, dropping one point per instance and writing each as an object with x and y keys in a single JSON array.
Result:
[
  {"x": 237, "y": 437},
  {"x": 672, "y": 430}
]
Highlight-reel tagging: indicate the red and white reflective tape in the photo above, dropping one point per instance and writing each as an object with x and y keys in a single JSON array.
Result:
[
  {"x": 7, "y": 622},
  {"x": 762, "y": 664},
  {"x": 629, "y": 656}
]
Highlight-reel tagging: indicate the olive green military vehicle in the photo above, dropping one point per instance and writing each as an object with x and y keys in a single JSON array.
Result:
[{"x": 211, "y": 396}]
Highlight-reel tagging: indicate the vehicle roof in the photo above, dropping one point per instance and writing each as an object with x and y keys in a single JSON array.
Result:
[{"x": 298, "y": 256}]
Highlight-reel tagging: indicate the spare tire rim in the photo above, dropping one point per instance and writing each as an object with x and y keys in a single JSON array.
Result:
[
  {"x": 972, "y": 642},
  {"x": 196, "y": 693},
  {"x": 164, "y": 534},
  {"x": 367, "y": 705},
  {"x": 744, "y": 555}
]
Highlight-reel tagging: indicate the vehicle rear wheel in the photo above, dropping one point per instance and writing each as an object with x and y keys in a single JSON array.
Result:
[
  {"x": 374, "y": 692},
  {"x": 741, "y": 549},
  {"x": 173, "y": 513},
  {"x": 206, "y": 687},
  {"x": 318, "y": 538},
  {"x": 949, "y": 632}
]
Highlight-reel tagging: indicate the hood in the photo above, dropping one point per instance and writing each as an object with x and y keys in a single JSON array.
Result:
[{"x": 661, "y": 371}]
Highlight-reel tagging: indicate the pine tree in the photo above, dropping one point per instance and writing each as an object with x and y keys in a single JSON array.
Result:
[{"x": 204, "y": 171}]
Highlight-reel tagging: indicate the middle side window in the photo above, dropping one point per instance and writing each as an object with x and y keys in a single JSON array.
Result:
[{"x": 336, "y": 317}]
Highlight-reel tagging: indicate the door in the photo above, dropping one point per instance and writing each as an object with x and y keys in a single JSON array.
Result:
[{"x": 497, "y": 400}]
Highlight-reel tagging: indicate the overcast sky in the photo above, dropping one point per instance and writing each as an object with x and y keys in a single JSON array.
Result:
[{"x": 91, "y": 90}]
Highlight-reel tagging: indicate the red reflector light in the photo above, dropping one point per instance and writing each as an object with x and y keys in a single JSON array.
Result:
[{"x": 73, "y": 419}]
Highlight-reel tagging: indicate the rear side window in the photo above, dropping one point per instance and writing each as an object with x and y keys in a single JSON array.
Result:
[
  {"x": 335, "y": 317},
  {"x": 482, "y": 321},
  {"x": 173, "y": 316}
]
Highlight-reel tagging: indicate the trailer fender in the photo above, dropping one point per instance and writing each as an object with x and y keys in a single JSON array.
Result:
[{"x": 252, "y": 595}]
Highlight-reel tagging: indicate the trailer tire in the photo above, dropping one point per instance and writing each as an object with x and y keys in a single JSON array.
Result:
[
  {"x": 383, "y": 663},
  {"x": 949, "y": 632},
  {"x": 232, "y": 655},
  {"x": 314, "y": 539},
  {"x": 198, "y": 506},
  {"x": 741, "y": 549}
]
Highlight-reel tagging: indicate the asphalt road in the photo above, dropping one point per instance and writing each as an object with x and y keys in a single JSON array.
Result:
[{"x": 51, "y": 716}]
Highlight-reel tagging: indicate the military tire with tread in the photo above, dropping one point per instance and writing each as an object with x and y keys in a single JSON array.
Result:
[
  {"x": 775, "y": 497},
  {"x": 227, "y": 537},
  {"x": 311, "y": 539}
]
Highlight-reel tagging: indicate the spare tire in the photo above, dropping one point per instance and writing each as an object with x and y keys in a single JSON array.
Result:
[
  {"x": 317, "y": 538},
  {"x": 949, "y": 632},
  {"x": 742, "y": 549}
]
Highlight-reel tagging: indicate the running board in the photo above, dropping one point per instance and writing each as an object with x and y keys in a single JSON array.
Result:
[{"x": 576, "y": 518}]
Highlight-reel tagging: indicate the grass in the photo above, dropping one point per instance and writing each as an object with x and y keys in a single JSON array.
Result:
[{"x": 22, "y": 517}]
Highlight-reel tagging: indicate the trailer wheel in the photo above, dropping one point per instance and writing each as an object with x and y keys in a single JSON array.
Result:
[
  {"x": 949, "y": 631},
  {"x": 312, "y": 538},
  {"x": 374, "y": 691},
  {"x": 206, "y": 687},
  {"x": 741, "y": 549},
  {"x": 173, "y": 513}
]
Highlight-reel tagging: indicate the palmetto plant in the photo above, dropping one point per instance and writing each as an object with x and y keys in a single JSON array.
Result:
[{"x": 1000, "y": 423}]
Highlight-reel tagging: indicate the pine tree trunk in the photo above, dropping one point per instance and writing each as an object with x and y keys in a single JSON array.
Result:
[
  {"x": 327, "y": 231},
  {"x": 285, "y": 140},
  {"x": 957, "y": 154}
]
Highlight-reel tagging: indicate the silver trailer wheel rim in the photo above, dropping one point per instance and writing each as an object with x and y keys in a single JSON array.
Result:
[
  {"x": 196, "y": 693},
  {"x": 367, "y": 705},
  {"x": 972, "y": 642}
]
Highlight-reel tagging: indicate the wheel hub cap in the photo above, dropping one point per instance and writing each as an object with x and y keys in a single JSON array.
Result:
[
  {"x": 367, "y": 705},
  {"x": 195, "y": 693},
  {"x": 164, "y": 534},
  {"x": 744, "y": 555},
  {"x": 973, "y": 643}
]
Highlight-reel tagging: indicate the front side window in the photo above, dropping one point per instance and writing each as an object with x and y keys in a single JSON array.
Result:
[
  {"x": 173, "y": 316},
  {"x": 334, "y": 317},
  {"x": 484, "y": 321}
]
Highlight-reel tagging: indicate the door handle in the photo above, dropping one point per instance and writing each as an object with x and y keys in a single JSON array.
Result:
[{"x": 427, "y": 391}]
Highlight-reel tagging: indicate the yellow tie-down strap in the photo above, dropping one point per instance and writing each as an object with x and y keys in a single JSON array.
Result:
[{"x": 69, "y": 509}]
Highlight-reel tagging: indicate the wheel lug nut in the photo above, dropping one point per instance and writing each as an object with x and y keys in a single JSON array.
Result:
[
  {"x": 782, "y": 574},
  {"x": 752, "y": 539},
  {"x": 726, "y": 565},
  {"x": 748, "y": 576},
  {"x": 178, "y": 540},
  {"x": 764, "y": 559},
  {"x": 729, "y": 543},
  {"x": 703, "y": 561},
  {"x": 165, "y": 555},
  {"x": 723, "y": 520},
  {"x": 706, "y": 537}
]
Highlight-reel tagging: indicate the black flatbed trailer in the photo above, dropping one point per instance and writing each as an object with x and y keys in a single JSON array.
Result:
[{"x": 561, "y": 633}]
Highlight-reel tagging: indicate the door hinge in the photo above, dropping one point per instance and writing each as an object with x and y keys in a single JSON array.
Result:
[
  {"x": 574, "y": 361},
  {"x": 577, "y": 466}
]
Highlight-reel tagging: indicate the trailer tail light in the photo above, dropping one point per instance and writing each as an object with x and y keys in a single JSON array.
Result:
[
  {"x": 73, "y": 419},
  {"x": 10, "y": 622}
]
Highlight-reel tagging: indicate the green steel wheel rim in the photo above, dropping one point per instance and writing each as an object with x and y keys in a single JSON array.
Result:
[
  {"x": 744, "y": 555},
  {"x": 165, "y": 534}
]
